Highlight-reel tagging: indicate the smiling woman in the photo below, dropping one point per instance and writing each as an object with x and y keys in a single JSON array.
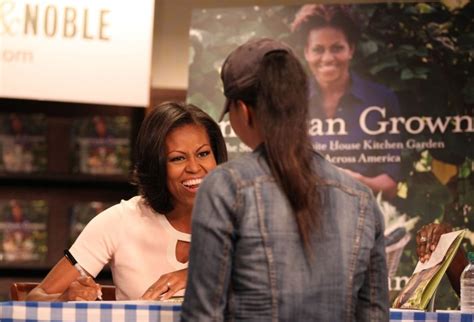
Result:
[
  {"x": 189, "y": 159},
  {"x": 339, "y": 96},
  {"x": 146, "y": 239}
]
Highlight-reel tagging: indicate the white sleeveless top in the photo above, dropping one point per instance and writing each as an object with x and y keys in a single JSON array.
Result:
[{"x": 139, "y": 244}]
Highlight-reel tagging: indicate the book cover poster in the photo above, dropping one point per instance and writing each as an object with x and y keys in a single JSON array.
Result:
[
  {"x": 81, "y": 214},
  {"x": 23, "y": 146},
  {"x": 23, "y": 230},
  {"x": 101, "y": 145},
  {"x": 402, "y": 120}
]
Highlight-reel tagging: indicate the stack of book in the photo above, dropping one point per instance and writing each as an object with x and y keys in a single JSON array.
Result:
[
  {"x": 101, "y": 145},
  {"x": 23, "y": 145},
  {"x": 23, "y": 230}
]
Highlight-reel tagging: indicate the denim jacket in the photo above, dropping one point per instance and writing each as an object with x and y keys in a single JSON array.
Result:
[{"x": 247, "y": 262}]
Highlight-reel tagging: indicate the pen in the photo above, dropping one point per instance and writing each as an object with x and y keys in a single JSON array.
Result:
[{"x": 79, "y": 268}]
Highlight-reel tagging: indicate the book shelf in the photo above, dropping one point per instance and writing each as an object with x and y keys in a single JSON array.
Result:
[{"x": 59, "y": 186}]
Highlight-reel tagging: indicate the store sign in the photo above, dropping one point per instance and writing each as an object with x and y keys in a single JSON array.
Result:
[{"x": 86, "y": 51}]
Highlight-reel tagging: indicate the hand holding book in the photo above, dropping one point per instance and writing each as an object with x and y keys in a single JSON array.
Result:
[
  {"x": 427, "y": 239},
  {"x": 426, "y": 277}
]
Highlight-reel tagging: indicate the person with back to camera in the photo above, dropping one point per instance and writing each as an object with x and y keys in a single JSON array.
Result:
[
  {"x": 146, "y": 239},
  {"x": 280, "y": 234},
  {"x": 330, "y": 35}
]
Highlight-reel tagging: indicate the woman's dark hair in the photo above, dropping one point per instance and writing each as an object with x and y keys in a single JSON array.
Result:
[
  {"x": 149, "y": 172},
  {"x": 280, "y": 103},
  {"x": 315, "y": 16}
]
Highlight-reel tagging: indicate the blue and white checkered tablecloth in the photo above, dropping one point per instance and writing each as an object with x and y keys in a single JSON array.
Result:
[
  {"x": 157, "y": 312},
  {"x": 89, "y": 311},
  {"x": 420, "y": 316}
]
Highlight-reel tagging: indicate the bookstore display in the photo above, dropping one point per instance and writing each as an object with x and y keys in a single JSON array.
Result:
[
  {"x": 63, "y": 161},
  {"x": 60, "y": 164},
  {"x": 23, "y": 145},
  {"x": 23, "y": 230},
  {"x": 101, "y": 145}
]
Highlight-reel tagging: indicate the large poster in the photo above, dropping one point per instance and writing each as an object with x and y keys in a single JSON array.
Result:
[{"x": 391, "y": 102}]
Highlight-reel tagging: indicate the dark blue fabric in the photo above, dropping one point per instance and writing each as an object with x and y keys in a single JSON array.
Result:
[{"x": 361, "y": 95}]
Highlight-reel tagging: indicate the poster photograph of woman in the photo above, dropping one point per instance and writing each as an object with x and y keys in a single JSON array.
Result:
[{"x": 391, "y": 98}]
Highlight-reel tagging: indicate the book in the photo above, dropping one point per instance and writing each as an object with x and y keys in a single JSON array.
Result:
[
  {"x": 101, "y": 145},
  {"x": 80, "y": 215},
  {"x": 426, "y": 277},
  {"x": 23, "y": 230},
  {"x": 23, "y": 144}
]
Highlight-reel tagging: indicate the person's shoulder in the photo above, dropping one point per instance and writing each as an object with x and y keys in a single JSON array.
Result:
[
  {"x": 131, "y": 204},
  {"x": 123, "y": 209},
  {"x": 240, "y": 170},
  {"x": 135, "y": 208},
  {"x": 331, "y": 175},
  {"x": 249, "y": 166},
  {"x": 360, "y": 80},
  {"x": 370, "y": 89}
]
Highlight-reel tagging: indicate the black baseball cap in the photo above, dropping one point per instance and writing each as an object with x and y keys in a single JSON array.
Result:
[{"x": 239, "y": 71}]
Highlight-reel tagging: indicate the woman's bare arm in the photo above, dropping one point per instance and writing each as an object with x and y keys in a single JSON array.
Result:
[{"x": 64, "y": 283}]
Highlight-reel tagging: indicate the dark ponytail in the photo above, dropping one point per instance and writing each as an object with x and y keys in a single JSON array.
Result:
[{"x": 281, "y": 107}]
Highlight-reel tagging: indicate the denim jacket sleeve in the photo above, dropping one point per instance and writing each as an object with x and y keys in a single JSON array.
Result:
[
  {"x": 211, "y": 249},
  {"x": 373, "y": 302}
]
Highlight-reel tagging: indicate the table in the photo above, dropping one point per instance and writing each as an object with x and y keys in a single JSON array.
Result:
[
  {"x": 420, "y": 316},
  {"x": 106, "y": 311},
  {"x": 148, "y": 311}
]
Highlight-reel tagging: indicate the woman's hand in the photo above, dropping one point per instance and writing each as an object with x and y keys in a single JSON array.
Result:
[
  {"x": 64, "y": 283},
  {"x": 167, "y": 285},
  {"x": 427, "y": 239},
  {"x": 82, "y": 289}
]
